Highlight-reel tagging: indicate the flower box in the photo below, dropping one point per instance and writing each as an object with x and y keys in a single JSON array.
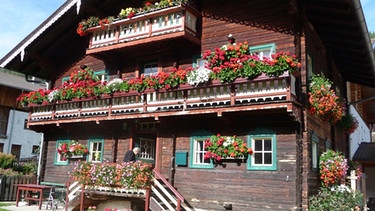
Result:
[
  {"x": 234, "y": 158},
  {"x": 221, "y": 148},
  {"x": 76, "y": 156},
  {"x": 72, "y": 150}
]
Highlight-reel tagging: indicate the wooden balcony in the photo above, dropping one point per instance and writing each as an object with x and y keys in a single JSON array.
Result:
[
  {"x": 242, "y": 95},
  {"x": 172, "y": 22}
]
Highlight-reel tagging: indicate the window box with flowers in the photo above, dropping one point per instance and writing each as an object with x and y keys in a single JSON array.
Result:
[
  {"x": 219, "y": 148},
  {"x": 223, "y": 66},
  {"x": 235, "y": 61},
  {"x": 73, "y": 149},
  {"x": 137, "y": 175}
]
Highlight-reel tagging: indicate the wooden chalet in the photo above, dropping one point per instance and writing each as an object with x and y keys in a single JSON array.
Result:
[{"x": 170, "y": 126}]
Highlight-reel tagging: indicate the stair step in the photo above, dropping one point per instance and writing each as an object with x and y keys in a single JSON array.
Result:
[{"x": 155, "y": 205}]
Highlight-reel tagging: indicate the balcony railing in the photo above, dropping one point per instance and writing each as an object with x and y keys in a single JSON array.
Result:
[
  {"x": 176, "y": 21},
  {"x": 260, "y": 93}
]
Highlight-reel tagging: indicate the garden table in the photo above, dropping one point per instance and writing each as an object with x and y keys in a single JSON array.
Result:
[{"x": 29, "y": 188}]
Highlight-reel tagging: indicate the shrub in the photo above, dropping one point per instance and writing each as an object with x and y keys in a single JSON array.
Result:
[
  {"x": 337, "y": 198},
  {"x": 6, "y": 160},
  {"x": 26, "y": 168}
]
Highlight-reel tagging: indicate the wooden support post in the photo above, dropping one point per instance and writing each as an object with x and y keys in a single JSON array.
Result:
[
  {"x": 147, "y": 199},
  {"x": 82, "y": 197}
]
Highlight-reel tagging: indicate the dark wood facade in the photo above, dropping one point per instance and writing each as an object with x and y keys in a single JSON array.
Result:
[{"x": 281, "y": 23}]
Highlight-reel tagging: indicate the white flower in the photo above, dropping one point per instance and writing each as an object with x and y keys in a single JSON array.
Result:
[
  {"x": 228, "y": 141},
  {"x": 198, "y": 76},
  {"x": 52, "y": 95},
  {"x": 342, "y": 188},
  {"x": 114, "y": 81},
  {"x": 114, "y": 84}
]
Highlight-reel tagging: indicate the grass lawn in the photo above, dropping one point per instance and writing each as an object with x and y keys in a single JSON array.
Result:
[{"x": 3, "y": 204}]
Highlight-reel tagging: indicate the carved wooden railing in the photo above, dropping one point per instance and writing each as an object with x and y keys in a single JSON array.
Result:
[
  {"x": 181, "y": 18},
  {"x": 216, "y": 97}
]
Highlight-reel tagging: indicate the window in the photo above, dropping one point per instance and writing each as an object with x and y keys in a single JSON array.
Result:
[
  {"x": 102, "y": 74},
  {"x": 65, "y": 79},
  {"x": 35, "y": 149},
  {"x": 147, "y": 146},
  {"x": 309, "y": 66},
  {"x": 263, "y": 51},
  {"x": 198, "y": 61},
  {"x": 328, "y": 144},
  {"x": 4, "y": 115},
  {"x": 314, "y": 151},
  {"x": 16, "y": 150},
  {"x": 150, "y": 69},
  {"x": 1, "y": 147},
  {"x": 96, "y": 150},
  {"x": 59, "y": 161},
  {"x": 197, "y": 152},
  {"x": 264, "y": 151}
]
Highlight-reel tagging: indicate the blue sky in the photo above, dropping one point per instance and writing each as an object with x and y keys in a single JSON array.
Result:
[{"x": 19, "y": 17}]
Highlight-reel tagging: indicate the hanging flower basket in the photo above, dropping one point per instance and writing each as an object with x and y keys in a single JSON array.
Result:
[
  {"x": 323, "y": 100},
  {"x": 348, "y": 124}
]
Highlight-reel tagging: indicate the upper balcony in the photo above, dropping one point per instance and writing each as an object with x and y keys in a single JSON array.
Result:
[{"x": 169, "y": 23}]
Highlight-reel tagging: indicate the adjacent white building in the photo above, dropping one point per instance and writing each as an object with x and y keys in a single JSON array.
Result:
[{"x": 14, "y": 137}]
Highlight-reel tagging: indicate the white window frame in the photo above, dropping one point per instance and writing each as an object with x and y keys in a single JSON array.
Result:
[
  {"x": 262, "y": 151},
  {"x": 96, "y": 148},
  {"x": 58, "y": 161},
  {"x": 102, "y": 75},
  {"x": 263, "y": 50},
  {"x": 197, "y": 153},
  {"x": 314, "y": 152},
  {"x": 153, "y": 67},
  {"x": 147, "y": 152}
]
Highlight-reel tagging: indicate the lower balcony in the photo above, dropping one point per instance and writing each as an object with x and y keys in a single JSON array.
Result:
[{"x": 261, "y": 93}]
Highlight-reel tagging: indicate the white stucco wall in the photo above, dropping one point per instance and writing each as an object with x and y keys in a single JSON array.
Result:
[
  {"x": 361, "y": 134},
  {"x": 16, "y": 134}
]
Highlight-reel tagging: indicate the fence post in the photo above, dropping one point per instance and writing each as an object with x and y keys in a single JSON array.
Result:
[
  {"x": 9, "y": 185},
  {"x": 2, "y": 186},
  {"x": 353, "y": 180}
]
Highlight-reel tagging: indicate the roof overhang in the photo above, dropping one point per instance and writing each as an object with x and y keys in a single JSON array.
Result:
[
  {"x": 341, "y": 26},
  {"x": 365, "y": 154}
]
